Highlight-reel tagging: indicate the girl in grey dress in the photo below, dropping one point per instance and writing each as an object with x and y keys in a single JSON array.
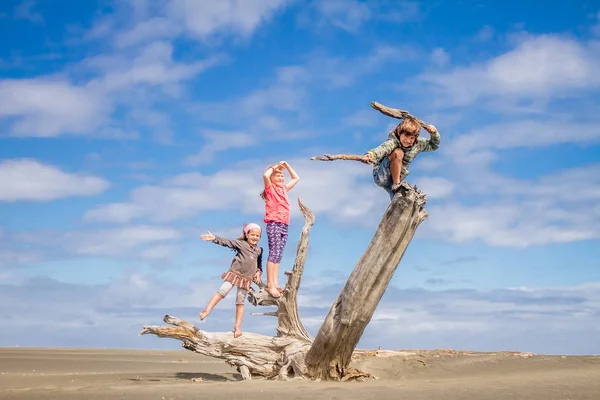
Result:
[{"x": 246, "y": 266}]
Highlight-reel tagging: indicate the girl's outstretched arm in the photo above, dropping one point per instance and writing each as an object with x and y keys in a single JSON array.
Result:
[
  {"x": 232, "y": 244},
  {"x": 208, "y": 237},
  {"x": 295, "y": 178}
]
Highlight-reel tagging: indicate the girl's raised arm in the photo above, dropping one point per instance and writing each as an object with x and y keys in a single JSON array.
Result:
[
  {"x": 294, "y": 176},
  {"x": 267, "y": 175}
]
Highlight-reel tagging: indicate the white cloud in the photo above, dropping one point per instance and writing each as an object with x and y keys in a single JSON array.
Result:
[
  {"x": 486, "y": 33},
  {"x": 540, "y": 320},
  {"x": 11, "y": 257},
  {"x": 196, "y": 19},
  {"x": 523, "y": 134},
  {"x": 540, "y": 67},
  {"x": 339, "y": 72},
  {"x": 468, "y": 319},
  {"x": 503, "y": 211},
  {"x": 154, "y": 65},
  {"x": 440, "y": 57},
  {"x": 133, "y": 241},
  {"x": 219, "y": 141},
  {"x": 362, "y": 117},
  {"x": 350, "y": 15},
  {"x": 347, "y": 15},
  {"x": 25, "y": 179},
  {"x": 287, "y": 93},
  {"x": 25, "y": 11},
  {"x": 48, "y": 108},
  {"x": 188, "y": 195},
  {"x": 435, "y": 188},
  {"x": 239, "y": 16}
]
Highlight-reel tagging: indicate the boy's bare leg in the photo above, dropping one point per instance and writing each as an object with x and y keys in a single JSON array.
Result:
[
  {"x": 211, "y": 304},
  {"x": 396, "y": 165},
  {"x": 239, "y": 314}
]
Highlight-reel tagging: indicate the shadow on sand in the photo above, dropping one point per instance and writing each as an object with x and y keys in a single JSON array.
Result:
[{"x": 209, "y": 377}]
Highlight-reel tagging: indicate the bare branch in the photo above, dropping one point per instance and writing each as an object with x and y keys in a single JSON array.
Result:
[
  {"x": 351, "y": 157},
  {"x": 394, "y": 112}
]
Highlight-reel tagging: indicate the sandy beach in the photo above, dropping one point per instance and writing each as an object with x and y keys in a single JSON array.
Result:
[{"x": 51, "y": 373}]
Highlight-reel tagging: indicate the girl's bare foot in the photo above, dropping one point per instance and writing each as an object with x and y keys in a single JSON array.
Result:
[
  {"x": 273, "y": 292},
  {"x": 203, "y": 315},
  {"x": 237, "y": 333},
  {"x": 280, "y": 289}
]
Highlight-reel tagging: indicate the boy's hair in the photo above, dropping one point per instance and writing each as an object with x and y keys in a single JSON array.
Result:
[{"x": 409, "y": 126}]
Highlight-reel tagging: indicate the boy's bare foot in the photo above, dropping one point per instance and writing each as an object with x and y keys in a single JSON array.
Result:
[
  {"x": 273, "y": 292},
  {"x": 237, "y": 333},
  {"x": 203, "y": 315}
]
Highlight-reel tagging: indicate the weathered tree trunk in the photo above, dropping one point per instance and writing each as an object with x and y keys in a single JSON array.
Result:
[
  {"x": 331, "y": 351},
  {"x": 252, "y": 354}
]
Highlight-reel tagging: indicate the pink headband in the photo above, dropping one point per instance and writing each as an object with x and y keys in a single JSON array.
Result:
[{"x": 250, "y": 226}]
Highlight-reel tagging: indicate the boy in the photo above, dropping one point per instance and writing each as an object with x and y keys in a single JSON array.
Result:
[{"x": 392, "y": 158}]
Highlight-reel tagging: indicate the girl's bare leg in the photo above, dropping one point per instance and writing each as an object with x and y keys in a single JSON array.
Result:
[
  {"x": 214, "y": 300},
  {"x": 272, "y": 271},
  {"x": 239, "y": 314}
]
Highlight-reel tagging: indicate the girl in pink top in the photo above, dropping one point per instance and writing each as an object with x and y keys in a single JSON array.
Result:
[{"x": 277, "y": 218}]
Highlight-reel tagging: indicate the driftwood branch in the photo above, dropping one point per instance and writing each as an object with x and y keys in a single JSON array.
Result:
[
  {"x": 352, "y": 157},
  {"x": 394, "y": 112},
  {"x": 252, "y": 354}
]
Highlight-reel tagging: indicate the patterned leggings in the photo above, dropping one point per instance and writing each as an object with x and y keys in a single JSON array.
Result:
[{"x": 277, "y": 234}]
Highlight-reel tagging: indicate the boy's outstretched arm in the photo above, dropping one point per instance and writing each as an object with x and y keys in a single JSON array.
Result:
[
  {"x": 383, "y": 150},
  {"x": 294, "y": 176},
  {"x": 433, "y": 143}
]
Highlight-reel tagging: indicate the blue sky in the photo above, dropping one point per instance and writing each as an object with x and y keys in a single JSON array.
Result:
[{"x": 128, "y": 128}]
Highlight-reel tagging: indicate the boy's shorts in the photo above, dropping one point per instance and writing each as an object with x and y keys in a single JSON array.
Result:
[{"x": 383, "y": 177}]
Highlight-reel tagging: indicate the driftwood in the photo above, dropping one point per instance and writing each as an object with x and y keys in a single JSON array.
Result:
[
  {"x": 257, "y": 355},
  {"x": 394, "y": 112},
  {"x": 331, "y": 351},
  {"x": 352, "y": 157},
  {"x": 293, "y": 353}
]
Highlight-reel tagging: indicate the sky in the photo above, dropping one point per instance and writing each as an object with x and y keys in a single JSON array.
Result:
[{"x": 128, "y": 128}]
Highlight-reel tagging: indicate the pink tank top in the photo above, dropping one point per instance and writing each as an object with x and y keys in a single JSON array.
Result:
[{"x": 277, "y": 207}]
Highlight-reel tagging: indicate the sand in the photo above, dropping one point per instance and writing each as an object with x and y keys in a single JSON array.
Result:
[{"x": 50, "y": 373}]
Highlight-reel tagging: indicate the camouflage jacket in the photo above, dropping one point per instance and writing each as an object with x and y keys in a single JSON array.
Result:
[{"x": 421, "y": 145}]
